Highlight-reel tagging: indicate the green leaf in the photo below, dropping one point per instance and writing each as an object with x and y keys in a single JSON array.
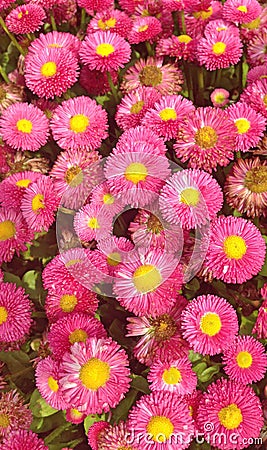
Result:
[
  {"x": 208, "y": 373},
  {"x": 199, "y": 368},
  {"x": 122, "y": 410},
  {"x": 39, "y": 407},
  {"x": 193, "y": 357},
  {"x": 11, "y": 278},
  {"x": 140, "y": 384},
  {"x": 91, "y": 419},
  {"x": 16, "y": 361}
]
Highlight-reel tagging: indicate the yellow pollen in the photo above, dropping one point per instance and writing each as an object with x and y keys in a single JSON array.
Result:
[
  {"x": 219, "y": 98},
  {"x": 244, "y": 360},
  {"x": 105, "y": 50},
  {"x": 172, "y": 376},
  {"x": 24, "y": 125},
  {"x": 210, "y": 324},
  {"x": 24, "y": 183},
  {"x": 38, "y": 202},
  {"x": 3, "y": 315},
  {"x": 78, "y": 336},
  {"x": 142, "y": 28},
  {"x": 7, "y": 230},
  {"x": 206, "y": 137},
  {"x": 150, "y": 76},
  {"x": 54, "y": 45},
  {"x": 53, "y": 384},
  {"x": 146, "y": 278},
  {"x": 221, "y": 28},
  {"x": 203, "y": 14},
  {"x": 168, "y": 114},
  {"x": 265, "y": 100},
  {"x": 164, "y": 327},
  {"x": 49, "y": 69},
  {"x": 184, "y": 38},
  {"x": 191, "y": 411},
  {"x": 94, "y": 374},
  {"x": 234, "y": 247},
  {"x": 93, "y": 223},
  {"x": 242, "y": 125},
  {"x": 72, "y": 262},
  {"x": 137, "y": 107},
  {"x": 253, "y": 24},
  {"x": 20, "y": 15},
  {"x": 230, "y": 417},
  {"x": 160, "y": 428},
  {"x": 74, "y": 176},
  {"x": 256, "y": 179},
  {"x": 4, "y": 420},
  {"x": 242, "y": 8},
  {"x": 108, "y": 199},
  {"x": 135, "y": 172},
  {"x": 79, "y": 123},
  {"x": 68, "y": 302},
  {"x": 114, "y": 259},
  {"x": 106, "y": 24},
  {"x": 77, "y": 414},
  {"x": 219, "y": 48},
  {"x": 190, "y": 197}
]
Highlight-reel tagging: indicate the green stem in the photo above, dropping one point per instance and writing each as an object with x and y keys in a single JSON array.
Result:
[
  {"x": 150, "y": 50},
  {"x": 83, "y": 18},
  {"x": 175, "y": 22},
  {"x": 57, "y": 432},
  {"x": 4, "y": 75},
  {"x": 188, "y": 81},
  {"x": 182, "y": 17},
  {"x": 19, "y": 373},
  {"x": 201, "y": 87},
  {"x": 112, "y": 88},
  {"x": 53, "y": 22},
  {"x": 238, "y": 154},
  {"x": 12, "y": 37}
]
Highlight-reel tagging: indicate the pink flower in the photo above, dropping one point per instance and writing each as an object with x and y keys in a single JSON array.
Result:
[
  {"x": 93, "y": 222},
  {"x": 15, "y": 415},
  {"x": 140, "y": 135},
  {"x": 111, "y": 20},
  {"x": 144, "y": 29},
  {"x": 244, "y": 11},
  {"x": 219, "y": 52},
  {"x": 25, "y": 19},
  {"x": 55, "y": 39},
  {"x": 47, "y": 378},
  {"x": 23, "y": 439},
  {"x": 219, "y": 97},
  {"x": 13, "y": 187}
]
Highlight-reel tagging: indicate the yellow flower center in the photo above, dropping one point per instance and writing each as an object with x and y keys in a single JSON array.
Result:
[
  {"x": 221, "y": 28},
  {"x": 265, "y": 100},
  {"x": 234, "y": 247},
  {"x": 206, "y": 137},
  {"x": 3, "y": 315},
  {"x": 244, "y": 360},
  {"x": 93, "y": 223},
  {"x": 53, "y": 384},
  {"x": 150, "y": 76},
  {"x": 38, "y": 202},
  {"x": 242, "y": 125},
  {"x": 72, "y": 262},
  {"x": 114, "y": 259},
  {"x": 146, "y": 278},
  {"x": 142, "y": 28},
  {"x": 7, "y": 230},
  {"x": 137, "y": 107},
  {"x": 135, "y": 172},
  {"x": 210, "y": 324},
  {"x": 172, "y": 376},
  {"x": 168, "y": 114},
  {"x": 4, "y": 420},
  {"x": 55, "y": 45},
  {"x": 203, "y": 14},
  {"x": 108, "y": 199},
  {"x": 256, "y": 179},
  {"x": 78, "y": 336},
  {"x": 160, "y": 428},
  {"x": 94, "y": 374},
  {"x": 106, "y": 24},
  {"x": 23, "y": 183},
  {"x": 230, "y": 417},
  {"x": 24, "y": 125},
  {"x": 253, "y": 24},
  {"x": 242, "y": 8},
  {"x": 75, "y": 413},
  {"x": 219, "y": 48},
  {"x": 219, "y": 98},
  {"x": 164, "y": 327},
  {"x": 68, "y": 302},
  {"x": 105, "y": 50},
  {"x": 49, "y": 69},
  {"x": 184, "y": 38},
  {"x": 74, "y": 176},
  {"x": 79, "y": 123},
  {"x": 190, "y": 196}
]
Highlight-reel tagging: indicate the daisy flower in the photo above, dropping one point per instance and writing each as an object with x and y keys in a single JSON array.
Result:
[
  {"x": 179, "y": 47},
  {"x": 219, "y": 97},
  {"x": 117, "y": 250},
  {"x": 256, "y": 49},
  {"x": 13, "y": 187},
  {"x": 174, "y": 375},
  {"x": 260, "y": 327},
  {"x": 4, "y": 4},
  {"x": 112, "y": 20},
  {"x": 93, "y": 222},
  {"x": 129, "y": 140},
  {"x": 166, "y": 78},
  {"x": 246, "y": 187},
  {"x": 105, "y": 51},
  {"x": 206, "y": 139},
  {"x": 229, "y": 406},
  {"x": 51, "y": 71},
  {"x": 14, "y": 234},
  {"x": 200, "y": 16},
  {"x": 167, "y": 115},
  {"x": 144, "y": 29},
  {"x": 114, "y": 438},
  {"x": 245, "y": 360},
  {"x": 250, "y": 125},
  {"x": 47, "y": 378},
  {"x": 76, "y": 327},
  {"x": 75, "y": 416},
  {"x": 241, "y": 11},
  {"x": 65, "y": 11},
  {"x": 44, "y": 3},
  {"x": 25, "y": 19},
  {"x": 96, "y": 431},
  {"x": 219, "y": 52},
  {"x": 130, "y": 6},
  {"x": 9, "y": 94},
  {"x": 236, "y": 249},
  {"x": 134, "y": 106},
  {"x": 92, "y": 6},
  {"x": 96, "y": 82},
  {"x": 219, "y": 27},
  {"x": 255, "y": 95},
  {"x": 15, "y": 415},
  {"x": 190, "y": 197},
  {"x": 64, "y": 300},
  {"x": 257, "y": 73},
  {"x": 134, "y": 176},
  {"x": 15, "y": 313},
  {"x": 79, "y": 123},
  {"x": 24, "y": 127},
  {"x": 102, "y": 199},
  {"x": 161, "y": 416},
  {"x": 90, "y": 374},
  {"x": 23, "y": 439},
  {"x": 209, "y": 324},
  {"x": 149, "y": 284},
  {"x": 39, "y": 204},
  {"x": 55, "y": 39}
]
